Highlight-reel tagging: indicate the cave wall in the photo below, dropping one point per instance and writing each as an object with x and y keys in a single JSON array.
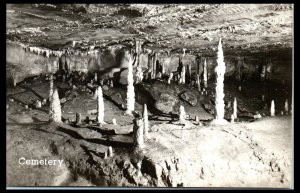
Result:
[{"x": 19, "y": 60}]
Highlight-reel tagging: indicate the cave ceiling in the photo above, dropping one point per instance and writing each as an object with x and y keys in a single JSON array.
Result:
[{"x": 170, "y": 28}]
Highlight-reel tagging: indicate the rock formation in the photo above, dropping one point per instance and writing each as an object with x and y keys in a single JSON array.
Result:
[
  {"x": 110, "y": 152},
  {"x": 272, "y": 108},
  {"x": 138, "y": 133},
  {"x": 55, "y": 108},
  {"x": 130, "y": 89},
  {"x": 78, "y": 118},
  {"x": 51, "y": 87},
  {"x": 100, "y": 106},
  {"x": 286, "y": 107},
  {"x": 145, "y": 118},
  {"x": 183, "y": 75},
  {"x": 205, "y": 74},
  {"x": 182, "y": 114},
  {"x": 219, "y": 98},
  {"x": 234, "y": 108}
]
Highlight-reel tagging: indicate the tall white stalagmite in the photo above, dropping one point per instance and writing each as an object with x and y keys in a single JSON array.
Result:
[
  {"x": 51, "y": 87},
  {"x": 130, "y": 89},
  {"x": 146, "y": 124},
  {"x": 182, "y": 114},
  {"x": 100, "y": 106},
  {"x": 235, "y": 108},
  {"x": 219, "y": 98},
  {"x": 286, "y": 106},
  {"x": 55, "y": 108},
  {"x": 183, "y": 74},
  {"x": 205, "y": 74},
  {"x": 272, "y": 109}
]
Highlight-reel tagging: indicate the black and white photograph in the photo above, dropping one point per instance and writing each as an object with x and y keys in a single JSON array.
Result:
[{"x": 150, "y": 95}]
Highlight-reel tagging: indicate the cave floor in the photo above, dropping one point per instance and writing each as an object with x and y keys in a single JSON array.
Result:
[{"x": 241, "y": 154}]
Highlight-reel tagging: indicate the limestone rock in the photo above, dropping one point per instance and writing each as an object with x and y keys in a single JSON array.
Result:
[{"x": 189, "y": 97}]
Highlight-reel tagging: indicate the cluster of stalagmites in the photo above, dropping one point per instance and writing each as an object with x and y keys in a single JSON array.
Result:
[{"x": 141, "y": 125}]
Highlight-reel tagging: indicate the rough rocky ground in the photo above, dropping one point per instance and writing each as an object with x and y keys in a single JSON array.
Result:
[{"x": 243, "y": 154}]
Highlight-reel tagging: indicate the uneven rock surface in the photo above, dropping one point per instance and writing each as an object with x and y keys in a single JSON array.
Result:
[{"x": 257, "y": 154}]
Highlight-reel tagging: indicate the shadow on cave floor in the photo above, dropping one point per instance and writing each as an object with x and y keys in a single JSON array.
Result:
[
  {"x": 30, "y": 89},
  {"x": 106, "y": 142},
  {"x": 100, "y": 130},
  {"x": 108, "y": 98},
  {"x": 114, "y": 144},
  {"x": 70, "y": 132}
]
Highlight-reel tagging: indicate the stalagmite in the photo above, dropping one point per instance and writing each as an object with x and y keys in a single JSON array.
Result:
[
  {"x": 130, "y": 89},
  {"x": 183, "y": 75},
  {"x": 232, "y": 118},
  {"x": 105, "y": 155},
  {"x": 145, "y": 118},
  {"x": 272, "y": 109},
  {"x": 139, "y": 74},
  {"x": 263, "y": 72},
  {"x": 198, "y": 83},
  {"x": 15, "y": 80},
  {"x": 286, "y": 106},
  {"x": 154, "y": 58},
  {"x": 78, "y": 118},
  {"x": 138, "y": 133},
  {"x": 235, "y": 108},
  {"x": 182, "y": 114},
  {"x": 96, "y": 77},
  {"x": 163, "y": 70},
  {"x": 219, "y": 98},
  {"x": 205, "y": 74},
  {"x": 170, "y": 78},
  {"x": 100, "y": 106},
  {"x": 263, "y": 97},
  {"x": 114, "y": 121},
  {"x": 55, "y": 108},
  {"x": 110, "y": 152},
  {"x": 51, "y": 87}
]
